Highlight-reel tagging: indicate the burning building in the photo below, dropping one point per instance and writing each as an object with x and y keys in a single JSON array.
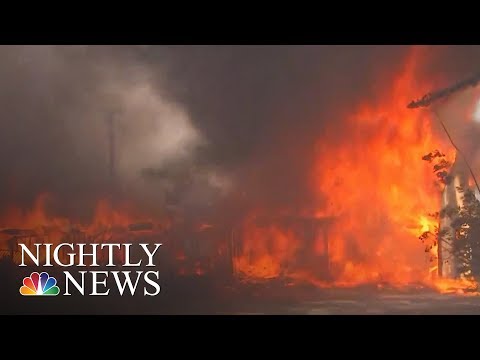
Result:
[
  {"x": 339, "y": 199},
  {"x": 343, "y": 210}
]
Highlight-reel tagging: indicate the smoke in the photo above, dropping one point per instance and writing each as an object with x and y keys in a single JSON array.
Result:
[
  {"x": 459, "y": 115},
  {"x": 263, "y": 108},
  {"x": 193, "y": 124},
  {"x": 54, "y": 133},
  {"x": 448, "y": 65}
]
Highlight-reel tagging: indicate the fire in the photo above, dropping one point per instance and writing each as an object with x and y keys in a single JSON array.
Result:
[
  {"x": 107, "y": 224},
  {"x": 378, "y": 192},
  {"x": 38, "y": 217},
  {"x": 458, "y": 286},
  {"x": 267, "y": 251}
]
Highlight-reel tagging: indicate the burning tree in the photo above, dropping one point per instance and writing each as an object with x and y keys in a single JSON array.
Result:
[
  {"x": 463, "y": 219},
  {"x": 466, "y": 226}
]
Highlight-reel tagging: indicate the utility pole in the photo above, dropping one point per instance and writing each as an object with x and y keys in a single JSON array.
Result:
[
  {"x": 111, "y": 143},
  {"x": 112, "y": 152}
]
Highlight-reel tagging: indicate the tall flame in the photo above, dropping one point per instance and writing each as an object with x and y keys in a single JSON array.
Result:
[{"x": 376, "y": 188}]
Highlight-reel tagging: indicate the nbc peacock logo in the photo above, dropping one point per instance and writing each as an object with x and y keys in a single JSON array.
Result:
[{"x": 39, "y": 285}]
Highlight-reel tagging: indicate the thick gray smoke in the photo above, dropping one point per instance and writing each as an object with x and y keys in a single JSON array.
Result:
[
  {"x": 192, "y": 123},
  {"x": 460, "y": 116},
  {"x": 55, "y": 136}
]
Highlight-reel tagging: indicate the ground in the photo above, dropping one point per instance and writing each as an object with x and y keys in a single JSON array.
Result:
[
  {"x": 393, "y": 304},
  {"x": 356, "y": 301},
  {"x": 215, "y": 295},
  {"x": 363, "y": 300}
]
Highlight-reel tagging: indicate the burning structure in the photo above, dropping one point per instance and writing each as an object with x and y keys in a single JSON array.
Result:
[
  {"x": 309, "y": 206},
  {"x": 328, "y": 237}
]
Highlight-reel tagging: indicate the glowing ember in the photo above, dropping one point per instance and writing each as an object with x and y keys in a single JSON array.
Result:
[
  {"x": 460, "y": 286},
  {"x": 266, "y": 252}
]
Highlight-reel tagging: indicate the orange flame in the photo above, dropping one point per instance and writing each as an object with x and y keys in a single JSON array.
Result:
[
  {"x": 44, "y": 227},
  {"x": 378, "y": 191},
  {"x": 266, "y": 251}
]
